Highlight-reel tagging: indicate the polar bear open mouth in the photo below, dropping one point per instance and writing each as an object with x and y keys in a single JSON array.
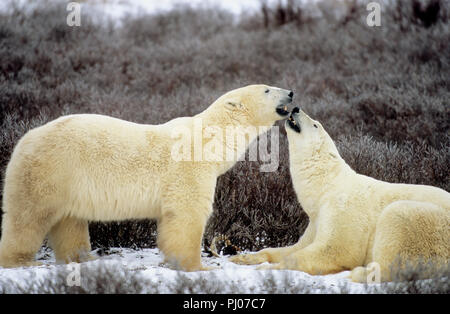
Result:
[
  {"x": 282, "y": 110},
  {"x": 293, "y": 121}
]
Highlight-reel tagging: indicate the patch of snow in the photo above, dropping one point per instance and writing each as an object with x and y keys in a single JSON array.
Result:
[{"x": 149, "y": 264}]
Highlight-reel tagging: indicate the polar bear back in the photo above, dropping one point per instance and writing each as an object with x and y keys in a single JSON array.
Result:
[{"x": 77, "y": 157}]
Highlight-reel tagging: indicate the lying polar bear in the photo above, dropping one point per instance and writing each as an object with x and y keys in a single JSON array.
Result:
[
  {"x": 355, "y": 219},
  {"x": 93, "y": 167}
]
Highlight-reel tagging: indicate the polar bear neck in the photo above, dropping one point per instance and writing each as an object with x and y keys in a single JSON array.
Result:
[
  {"x": 223, "y": 118},
  {"x": 313, "y": 174},
  {"x": 235, "y": 135},
  {"x": 317, "y": 168},
  {"x": 242, "y": 125}
]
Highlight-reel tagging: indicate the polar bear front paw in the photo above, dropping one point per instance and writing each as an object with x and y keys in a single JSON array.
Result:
[
  {"x": 270, "y": 266},
  {"x": 359, "y": 274},
  {"x": 208, "y": 268},
  {"x": 250, "y": 259}
]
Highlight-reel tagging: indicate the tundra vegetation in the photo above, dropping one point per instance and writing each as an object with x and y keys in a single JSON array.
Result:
[{"x": 382, "y": 93}]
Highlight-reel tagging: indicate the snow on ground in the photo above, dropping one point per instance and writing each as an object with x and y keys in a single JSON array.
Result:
[{"x": 149, "y": 264}]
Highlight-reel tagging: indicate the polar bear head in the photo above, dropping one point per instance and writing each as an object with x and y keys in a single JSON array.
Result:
[
  {"x": 308, "y": 139},
  {"x": 258, "y": 105}
]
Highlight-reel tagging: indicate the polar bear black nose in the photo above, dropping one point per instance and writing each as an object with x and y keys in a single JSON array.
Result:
[{"x": 291, "y": 94}]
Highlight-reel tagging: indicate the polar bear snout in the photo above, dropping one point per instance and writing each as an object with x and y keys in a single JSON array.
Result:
[
  {"x": 293, "y": 121},
  {"x": 289, "y": 97},
  {"x": 282, "y": 110}
]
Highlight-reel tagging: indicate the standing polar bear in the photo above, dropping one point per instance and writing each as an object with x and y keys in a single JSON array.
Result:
[
  {"x": 87, "y": 167},
  {"x": 355, "y": 219}
]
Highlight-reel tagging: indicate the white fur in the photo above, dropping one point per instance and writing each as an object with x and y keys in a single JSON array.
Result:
[
  {"x": 355, "y": 219},
  {"x": 93, "y": 167}
]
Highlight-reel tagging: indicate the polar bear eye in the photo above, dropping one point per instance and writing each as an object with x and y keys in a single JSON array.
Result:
[
  {"x": 267, "y": 91},
  {"x": 315, "y": 125}
]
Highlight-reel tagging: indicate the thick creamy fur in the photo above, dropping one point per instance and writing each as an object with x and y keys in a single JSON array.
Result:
[
  {"x": 355, "y": 219},
  {"x": 88, "y": 167}
]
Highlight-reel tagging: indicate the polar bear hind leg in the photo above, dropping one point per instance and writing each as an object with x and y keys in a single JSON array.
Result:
[
  {"x": 410, "y": 237},
  {"x": 69, "y": 238}
]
